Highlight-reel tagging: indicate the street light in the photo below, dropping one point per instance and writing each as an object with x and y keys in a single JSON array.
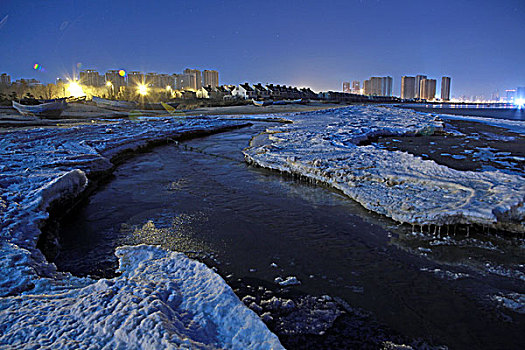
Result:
[
  {"x": 75, "y": 90},
  {"x": 109, "y": 84},
  {"x": 143, "y": 89}
]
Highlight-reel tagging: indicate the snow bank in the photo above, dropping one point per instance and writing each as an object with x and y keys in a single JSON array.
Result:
[
  {"x": 323, "y": 146},
  {"x": 161, "y": 300}
]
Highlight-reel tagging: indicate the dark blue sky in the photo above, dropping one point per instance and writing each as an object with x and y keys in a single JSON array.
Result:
[{"x": 479, "y": 43}]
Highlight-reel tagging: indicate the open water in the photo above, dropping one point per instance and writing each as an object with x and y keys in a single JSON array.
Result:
[{"x": 201, "y": 198}]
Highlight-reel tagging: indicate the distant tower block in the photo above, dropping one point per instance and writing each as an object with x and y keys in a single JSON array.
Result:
[
  {"x": 196, "y": 82},
  {"x": 210, "y": 78},
  {"x": 378, "y": 86},
  {"x": 428, "y": 89},
  {"x": 520, "y": 93},
  {"x": 445, "y": 89},
  {"x": 408, "y": 87},
  {"x": 356, "y": 87},
  {"x": 346, "y": 86},
  {"x": 419, "y": 78}
]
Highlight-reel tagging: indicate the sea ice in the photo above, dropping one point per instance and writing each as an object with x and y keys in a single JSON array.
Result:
[{"x": 324, "y": 146}]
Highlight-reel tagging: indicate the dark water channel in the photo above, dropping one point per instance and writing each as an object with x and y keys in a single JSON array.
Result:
[{"x": 200, "y": 197}]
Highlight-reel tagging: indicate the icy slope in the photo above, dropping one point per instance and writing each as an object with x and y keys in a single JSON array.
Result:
[
  {"x": 161, "y": 300},
  {"x": 323, "y": 147}
]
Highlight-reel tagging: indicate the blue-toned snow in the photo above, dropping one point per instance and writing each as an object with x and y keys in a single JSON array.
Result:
[{"x": 323, "y": 146}]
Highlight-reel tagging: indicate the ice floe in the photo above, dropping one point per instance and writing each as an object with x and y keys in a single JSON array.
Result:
[
  {"x": 161, "y": 299},
  {"x": 324, "y": 146}
]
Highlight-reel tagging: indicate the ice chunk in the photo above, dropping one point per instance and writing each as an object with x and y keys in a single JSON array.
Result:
[
  {"x": 162, "y": 299},
  {"x": 323, "y": 146}
]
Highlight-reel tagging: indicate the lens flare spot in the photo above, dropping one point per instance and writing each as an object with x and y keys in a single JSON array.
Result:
[
  {"x": 37, "y": 66},
  {"x": 122, "y": 73}
]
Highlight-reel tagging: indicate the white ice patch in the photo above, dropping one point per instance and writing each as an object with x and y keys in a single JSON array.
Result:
[
  {"x": 288, "y": 281},
  {"x": 322, "y": 146},
  {"x": 512, "y": 301},
  {"x": 162, "y": 299}
]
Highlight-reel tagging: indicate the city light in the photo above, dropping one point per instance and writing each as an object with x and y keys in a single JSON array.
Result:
[
  {"x": 520, "y": 102},
  {"x": 143, "y": 89},
  {"x": 168, "y": 88},
  {"x": 74, "y": 89},
  {"x": 108, "y": 84}
]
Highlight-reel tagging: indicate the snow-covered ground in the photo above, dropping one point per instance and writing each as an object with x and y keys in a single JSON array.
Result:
[
  {"x": 162, "y": 299},
  {"x": 324, "y": 146}
]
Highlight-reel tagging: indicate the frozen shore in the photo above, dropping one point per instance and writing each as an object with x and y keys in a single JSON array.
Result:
[
  {"x": 162, "y": 299},
  {"x": 325, "y": 146}
]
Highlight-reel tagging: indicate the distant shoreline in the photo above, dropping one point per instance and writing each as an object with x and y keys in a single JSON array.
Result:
[
  {"x": 487, "y": 112},
  {"x": 78, "y": 113}
]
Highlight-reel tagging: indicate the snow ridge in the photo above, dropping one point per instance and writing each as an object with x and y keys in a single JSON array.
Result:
[{"x": 323, "y": 146}]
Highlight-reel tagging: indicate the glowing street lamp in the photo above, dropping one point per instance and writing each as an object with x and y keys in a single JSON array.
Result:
[
  {"x": 143, "y": 90},
  {"x": 74, "y": 89},
  {"x": 109, "y": 84}
]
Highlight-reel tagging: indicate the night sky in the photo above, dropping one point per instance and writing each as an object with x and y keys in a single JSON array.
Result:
[{"x": 479, "y": 43}]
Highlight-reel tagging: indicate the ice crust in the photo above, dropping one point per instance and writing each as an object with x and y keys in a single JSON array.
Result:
[
  {"x": 324, "y": 147},
  {"x": 161, "y": 299}
]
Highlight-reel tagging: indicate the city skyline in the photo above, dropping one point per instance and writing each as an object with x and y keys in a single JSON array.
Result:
[{"x": 315, "y": 44}]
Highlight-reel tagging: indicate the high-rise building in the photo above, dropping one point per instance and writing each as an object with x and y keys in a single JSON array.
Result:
[
  {"x": 115, "y": 79},
  {"x": 386, "y": 86},
  {"x": 378, "y": 86},
  {"x": 152, "y": 79},
  {"x": 91, "y": 77},
  {"x": 210, "y": 78},
  {"x": 367, "y": 88},
  {"x": 185, "y": 81},
  {"x": 356, "y": 87},
  {"x": 520, "y": 93},
  {"x": 408, "y": 87},
  {"x": 346, "y": 86},
  {"x": 419, "y": 78},
  {"x": 135, "y": 78},
  {"x": 165, "y": 80},
  {"x": 445, "y": 88},
  {"x": 428, "y": 89},
  {"x": 511, "y": 95},
  {"x": 197, "y": 80},
  {"x": 5, "y": 79}
]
